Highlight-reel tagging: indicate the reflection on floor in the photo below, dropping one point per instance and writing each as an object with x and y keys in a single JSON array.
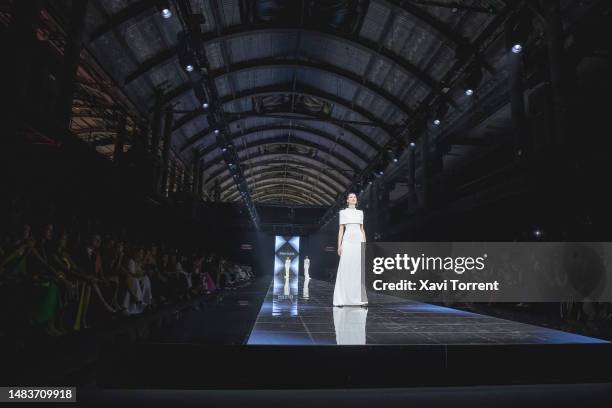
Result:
[{"x": 299, "y": 312}]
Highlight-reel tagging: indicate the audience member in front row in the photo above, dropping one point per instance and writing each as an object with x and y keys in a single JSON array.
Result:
[
  {"x": 89, "y": 261},
  {"x": 55, "y": 286},
  {"x": 139, "y": 296},
  {"x": 46, "y": 282},
  {"x": 62, "y": 261}
]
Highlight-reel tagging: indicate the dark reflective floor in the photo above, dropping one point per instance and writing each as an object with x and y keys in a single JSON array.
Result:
[{"x": 299, "y": 312}]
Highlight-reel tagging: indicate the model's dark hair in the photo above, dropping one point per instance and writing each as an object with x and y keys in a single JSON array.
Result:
[{"x": 347, "y": 196}]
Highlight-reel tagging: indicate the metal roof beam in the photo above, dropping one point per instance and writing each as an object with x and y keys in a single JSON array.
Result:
[
  {"x": 243, "y": 115},
  {"x": 292, "y": 190},
  {"x": 284, "y": 140},
  {"x": 291, "y": 158},
  {"x": 297, "y": 128},
  {"x": 273, "y": 175},
  {"x": 287, "y": 182},
  {"x": 331, "y": 180}
]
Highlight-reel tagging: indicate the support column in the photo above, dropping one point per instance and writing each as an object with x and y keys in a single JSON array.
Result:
[
  {"x": 201, "y": 178},
  {"x": 412, "y": 174},
  {"x": 217, "y": 191},
  {"x": 195, "y": 187},
  {"x": 425, "y": 189},
  {"x": 171, "y": 179},
  {"x": 166, "y": 150},
  {"x": 20, "y": 40},
  {"x": 72, "y": 53},
  {"x": 374, "y": 211},
  {"x": 145, "y": 136},
  {"x": 120, "y": 141},
  {"x": 521, "y": 142},
  {"x": 180, "y": 176},
  {"x": 156, "y": 127},
  {"x": 187, "y": 180},
  {"x": 558, "y": 69}
]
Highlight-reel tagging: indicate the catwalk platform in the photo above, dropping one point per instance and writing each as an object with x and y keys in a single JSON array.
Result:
[
  {"x": 299, "y": 312},
  {"x": 289, "y": 339}
]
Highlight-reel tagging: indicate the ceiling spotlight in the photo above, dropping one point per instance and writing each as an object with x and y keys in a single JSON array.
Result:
[
  {"x": 436, "y": 122},
  {"x": 188, "y": 67},
  {"x": 412, "y": 144},
  {"x": 395, "y": 160},
  {"x": 166, "y": 13},
  {"x": 517, "y": 48},
  {"x": 469, "y": 92},
  {"x": 224, "y": 149},
  {"x": 216, "y": 131},
  {"x": 205, "y": 105},
  {"x": 380, "y": 172}
]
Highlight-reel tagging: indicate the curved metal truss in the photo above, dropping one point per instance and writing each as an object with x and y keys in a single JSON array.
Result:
[
  {"x": 351, "y": 131},
  {"x": 296, "y": 193},
  {"x": 295, "y": 167},
  {"x": 285, "y": 141},
  {"x": 282, "y": 175},
  {"x": 295, "y": 87},
  {"x": 291, "y": 131},
  {"x": 294, "y": 200},
  {"x": 264, "y": 185},
  {"x": 337, "y": 174}
]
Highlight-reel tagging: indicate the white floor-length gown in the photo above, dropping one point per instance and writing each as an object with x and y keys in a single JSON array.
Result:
[
  {"x": 350, "y": 324},
  {"x": 349, "y": 289},
  {"x": 287, "y": 267},
  {"x": 306, "y": 268}
]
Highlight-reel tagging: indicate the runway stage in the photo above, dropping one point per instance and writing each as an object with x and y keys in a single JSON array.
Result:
[
  {"x": 297, "y": 314},
  {"x": 294, "y": 336}
]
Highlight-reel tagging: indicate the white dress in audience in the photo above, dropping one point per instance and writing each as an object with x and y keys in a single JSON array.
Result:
[
  {"x": 134, "y": 300},
  {"x": 180, "y": 271}
]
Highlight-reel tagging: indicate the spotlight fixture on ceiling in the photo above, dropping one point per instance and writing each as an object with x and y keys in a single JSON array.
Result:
[
  {"x": 519, "y": 29},
  {"x": 393, "y": 153},
  {"x": 440, "y": 112},
  {"x": 185, "y": 52},
  {"x": 472, "y": 79},
  {"x": 163, "y": 6}
]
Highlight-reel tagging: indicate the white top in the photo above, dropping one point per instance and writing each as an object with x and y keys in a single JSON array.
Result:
[
  {"x": 307, "y": 261},
  {"x": 351, "y": 216}
]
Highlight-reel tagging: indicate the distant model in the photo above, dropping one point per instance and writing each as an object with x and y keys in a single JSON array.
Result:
[
  {"x": 306, "y": 267},
  {"x": 350, "y": 289},
  {"x": 287, "y": 266}
]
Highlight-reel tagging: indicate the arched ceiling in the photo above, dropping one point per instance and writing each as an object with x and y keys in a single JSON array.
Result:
[{"x": 308, "y": 95}]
